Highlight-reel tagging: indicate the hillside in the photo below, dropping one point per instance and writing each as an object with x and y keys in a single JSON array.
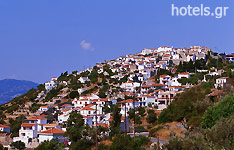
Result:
[
  {"x": 166, "y": 99},
  {"x": 10, "y": 88}
]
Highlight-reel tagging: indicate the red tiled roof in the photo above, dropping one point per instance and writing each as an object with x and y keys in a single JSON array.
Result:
[
  {"x": 128, "y": 101},
  {"x": 53, "y": 131},
  {"x": 88, "y": 107},
  {"x": 28, "y": 124},
  {"x": 103, "y": 125},
  {"x": 185, "y": 73},
  {"x": 163, "y": 76},
  {"x": 3, "y": 126},
  {"x": 146, "y": 86},
  {"x": 147, "y": 96},
  {"x": 44, "y": 106},
  {"x": 217, "y": 92},
  {"x": 64, "y": 105},
  {"x": 37, "y": 117},
  {"x": 166, "y": 55}
]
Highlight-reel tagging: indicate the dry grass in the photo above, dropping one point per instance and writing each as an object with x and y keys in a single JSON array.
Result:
[
  {"x": 106, "y": 142},
  {"x": 168, "y": 128}
]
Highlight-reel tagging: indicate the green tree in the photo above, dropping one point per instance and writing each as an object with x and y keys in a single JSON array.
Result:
[
  {"x": 141, "y": 111},
  {"x": 51, "y": 145},
  {"x": 224, "y": 108},
  {"x": 77, "y": 132},
  {"x": 73, "y": 94},
  {"x": 115, "y": 123},
  {"x": 15, "y": 125},
  {"x": 122, "y": 142},
  {"x": 18, "y": 145},
  {"x": 138, "y": 119},
  {"x": 151, "y": 117},
  {"x": 185, "y": 107}
]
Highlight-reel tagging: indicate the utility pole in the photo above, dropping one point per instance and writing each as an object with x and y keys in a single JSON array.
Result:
[
  {"x": 134, "y": 115},
  {"x": 158, "y": 144},
  {"x": 96, "y": 130},
  {"x": 125, "y": 123}
]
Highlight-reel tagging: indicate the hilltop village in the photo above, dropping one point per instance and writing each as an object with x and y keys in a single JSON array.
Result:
[{"x": 132, "y": 93}]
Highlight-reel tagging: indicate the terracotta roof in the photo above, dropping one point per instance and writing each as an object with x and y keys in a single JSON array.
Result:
[
  {"x": 88, "y": 107},
  {"x": 146, "y": 86},
  {"x": 163, "y": 76},
  {"x": 217, "y": 92},
  {"x": 157, "y": 85},
  {"x": 103, "y": 125},
  {"x": 36, "y": 117},
  {"x": 128, "y": 101},
  {"x": 44, "y": 106},
  {"x": 50, "y": 125},
  {"x": 186, "y": 73},
  {"x": 53, "y": 131},
  {"x": 3, "y": 126},
  {"x": 27, "y": 125},
  {"x": 147, "y": 96},
  {"x": 64, "y": 105},
  {"x": 166, "y": 55}
]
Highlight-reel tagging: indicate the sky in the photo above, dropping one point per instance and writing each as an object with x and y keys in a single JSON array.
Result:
[{"x": 40, "y": 39}]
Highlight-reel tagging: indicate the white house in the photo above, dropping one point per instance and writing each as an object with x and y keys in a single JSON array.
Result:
[
  {"x": 141, "y": 65},
  {"x": 174, "y": 82},
  {"x": 164, "y": 99},
  {"x": 147, "y": 51},
  {"x": 51, "y": 84},
  {"x": 129, "y": 104},
  {"x": 63, "y": 118},
  {"x": 130, "y": 86},
  {"x": 115, "y": 69},
  {"x": 83, "y": 79},
  {"x": 44, "y": 108},
  {"x": 221, "y": 82},
  {"x": 39, "y": 120},
  {"x": 183, "y": 75},
  {"x": 50, "y": 134},
  {"x": 164, "y": 79},
  {"x": 161, "y": 64},
  {"x": 195, "y": 48},
  {"x": 146, "y": 100},
  {"x": 27, "y": 131},
  {"x": 89, "y": 110},
  {"x": 191, "y": 57},
  {"x": 164, "y": 49},
  {"x": 50, "y": 126}
]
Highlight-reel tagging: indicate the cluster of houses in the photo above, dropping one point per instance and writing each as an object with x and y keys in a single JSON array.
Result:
[
  {"x": 35, "y": 130},
  {"x": 140, "y": 67}
]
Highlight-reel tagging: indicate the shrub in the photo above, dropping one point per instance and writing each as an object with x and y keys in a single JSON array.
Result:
[
  {"x": 224, "y": 108},
  {"x": 152, "y": 117}
]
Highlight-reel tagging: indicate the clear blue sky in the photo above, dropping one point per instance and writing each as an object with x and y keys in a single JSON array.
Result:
[{"x": 40, "y": 39}]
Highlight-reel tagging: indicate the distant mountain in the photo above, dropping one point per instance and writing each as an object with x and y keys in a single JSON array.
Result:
[{"x": 10, "y": 88}]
